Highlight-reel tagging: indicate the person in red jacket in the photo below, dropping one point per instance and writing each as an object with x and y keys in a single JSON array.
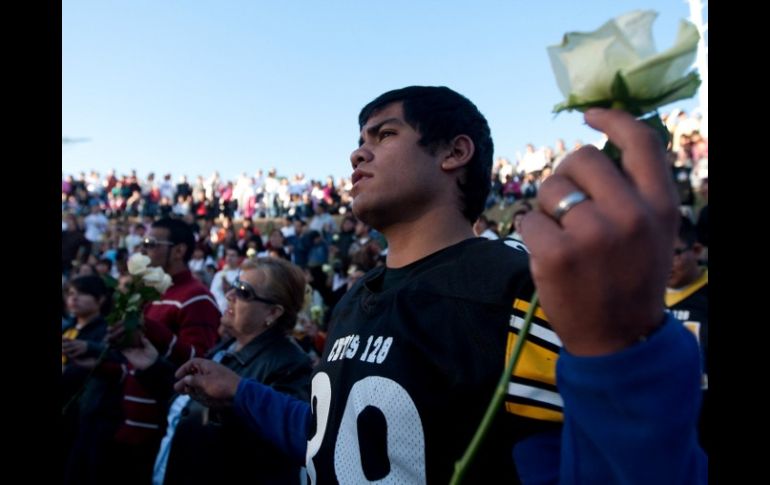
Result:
[{"x": 182, "y": 324}]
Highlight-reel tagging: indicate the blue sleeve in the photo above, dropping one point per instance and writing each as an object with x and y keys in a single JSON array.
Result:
[
  {"x": 279, "y": 418},
  {"x": 629, "y": 417}
]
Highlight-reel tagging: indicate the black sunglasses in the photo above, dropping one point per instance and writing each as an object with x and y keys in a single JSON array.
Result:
[
  {"x": 152, "y": 243},
  {"x": 246, "y": 292}
]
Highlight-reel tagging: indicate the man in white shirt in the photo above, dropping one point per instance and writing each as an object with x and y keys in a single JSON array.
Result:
[{"x": 96, "y": 225}]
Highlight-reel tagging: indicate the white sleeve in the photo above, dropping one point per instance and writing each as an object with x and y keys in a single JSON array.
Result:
[{"x": 216, "y": 290}]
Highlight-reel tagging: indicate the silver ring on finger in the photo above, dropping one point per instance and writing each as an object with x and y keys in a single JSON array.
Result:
[{"x": 567, "y": 203}]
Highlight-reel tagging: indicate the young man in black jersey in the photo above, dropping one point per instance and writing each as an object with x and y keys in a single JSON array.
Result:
[{"x": 416, "y": 347}]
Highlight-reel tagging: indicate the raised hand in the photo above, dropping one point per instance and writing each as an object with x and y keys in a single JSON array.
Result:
[{"x": 600, "y": 263}]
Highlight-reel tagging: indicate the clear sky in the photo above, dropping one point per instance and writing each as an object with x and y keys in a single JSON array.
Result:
[{"x": 193, "y": 86}]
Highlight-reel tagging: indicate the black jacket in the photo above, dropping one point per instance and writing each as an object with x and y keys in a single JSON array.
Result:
[{"x": 225, "y": 450}]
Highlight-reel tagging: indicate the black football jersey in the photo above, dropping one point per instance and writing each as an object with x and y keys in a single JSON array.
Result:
[
  {"x": 691, "y": 306},
  {"x": 409, "y": 369}
]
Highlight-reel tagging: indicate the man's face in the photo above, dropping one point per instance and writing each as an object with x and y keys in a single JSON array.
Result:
[
  {"x": 517, "y": 221},
  {"x": 348, "y": 225},
  {"x": 684, "y": 269},
  {"x": 231, "y": 258},
  {"x": 393, "y": 176},
  {"x": 361, "y": 229},
  {"x": 159, "y": 247}
]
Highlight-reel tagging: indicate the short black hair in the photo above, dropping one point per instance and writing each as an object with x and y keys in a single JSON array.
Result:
[
  {"x": 90, "y": 284},
  {"x": 180, "y": 232},
  {"x": 439, "y": 114},
  {"x": 95, "y": 286}
]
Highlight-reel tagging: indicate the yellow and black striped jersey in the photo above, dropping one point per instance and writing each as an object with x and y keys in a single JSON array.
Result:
[
  {"x": 690, "y": 305},
  {"x": 532, "y": 389}
]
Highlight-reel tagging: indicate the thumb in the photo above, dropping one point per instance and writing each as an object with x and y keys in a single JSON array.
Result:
[
  {"x": 185, "y": 385},
  {"x": 190, "y": 380}
]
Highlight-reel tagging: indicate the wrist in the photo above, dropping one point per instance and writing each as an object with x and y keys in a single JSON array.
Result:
[
  {"x": 235, "y": 384},
  {"x": 612, "y": 342}
]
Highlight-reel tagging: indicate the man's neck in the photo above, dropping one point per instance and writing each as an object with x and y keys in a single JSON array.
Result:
[
  {"x": 411, "y": 241},
  {"x": 176, "y": 269}
]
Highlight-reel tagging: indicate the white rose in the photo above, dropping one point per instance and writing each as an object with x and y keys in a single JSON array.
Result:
[
  {"x": 137, "y": 264},
  {"x": 618, "y": 63},
  {"x": 155, "y": 277},
  {"x": 164, "y": 284}
]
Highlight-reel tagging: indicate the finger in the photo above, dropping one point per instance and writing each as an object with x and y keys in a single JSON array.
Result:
[
  {"x": 180, "y": 387},
  {"x": 553, "y": 190},
  {"x": 184, "y": 369},
  {"x": 643, "y": 155},
  {"x": 540, "y": 232},
  {"x": 192, "y": 366},
  {"x": 594, "y": 174},
  {"x": 186, "y": 385}
]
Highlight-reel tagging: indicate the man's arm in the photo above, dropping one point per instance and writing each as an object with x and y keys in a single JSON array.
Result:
[
  {"x": 629, "y": 417},
  {"x": 197, "y": 331},
  {"x": 281, "y": 419},
  {"x": 600, "y": 268}
]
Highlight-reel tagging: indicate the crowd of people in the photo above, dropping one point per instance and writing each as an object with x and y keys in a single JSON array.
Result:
[{"x": 308, "y": 320}]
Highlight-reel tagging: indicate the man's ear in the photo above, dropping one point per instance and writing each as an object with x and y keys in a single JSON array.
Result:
[
  {"x": 459, "y": 152},
  {"x": 178, "y": 250}
]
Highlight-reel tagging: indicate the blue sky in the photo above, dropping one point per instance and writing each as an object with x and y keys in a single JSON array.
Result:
[{"x": 193, "y": 86}]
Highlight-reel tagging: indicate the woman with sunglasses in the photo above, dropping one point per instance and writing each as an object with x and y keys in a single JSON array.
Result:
[{"x": 214, "y": 446}]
